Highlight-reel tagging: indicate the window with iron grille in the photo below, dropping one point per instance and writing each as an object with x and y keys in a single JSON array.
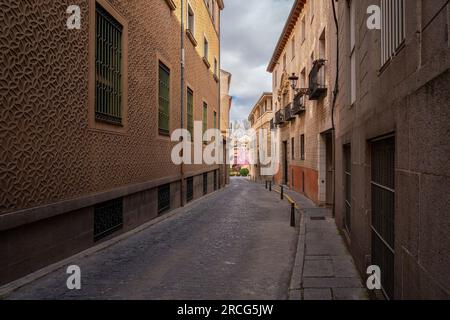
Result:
[
  {"x": 205, "y": 48},
  {"x": 190, "y": 112},
  {"x": 293, "y": 148},
  {"x": 205, "y": 183},
  {"x": 191, "y": 20},
  {"x": 163, "y": 198},
  {"x": 392, "y": 28},
  {"x": 205, "y": 117},
  {"x": 108, "y": 68},
  {"x": 383, "y": 211},
  {"x": 348, "y": 186},
  {"x": 302, "y": 147},
  {"x": 189, "y": 189},
  {"x": 216, "y": 182},
  {"x": 108, "y": 218},
  {"x": 164, "y": 99}
]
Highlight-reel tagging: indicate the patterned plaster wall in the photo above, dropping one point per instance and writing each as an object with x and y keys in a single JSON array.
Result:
[{"x": 48, "y": 151}]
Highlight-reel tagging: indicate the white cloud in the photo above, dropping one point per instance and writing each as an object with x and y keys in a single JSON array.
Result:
[{"x": 250, "y": 31}]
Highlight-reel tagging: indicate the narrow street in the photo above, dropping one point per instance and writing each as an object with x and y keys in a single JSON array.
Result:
[{"x": 234, "y": 244}]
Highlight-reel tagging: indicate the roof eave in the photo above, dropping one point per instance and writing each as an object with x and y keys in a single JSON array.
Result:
[{"x": 287, "y": 30}]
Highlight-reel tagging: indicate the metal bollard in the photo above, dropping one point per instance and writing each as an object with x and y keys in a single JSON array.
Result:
[
  {"x": 293, "y": 215},
  {"x": 282, "y": 193},
  {"x": 270, "y": 186}
]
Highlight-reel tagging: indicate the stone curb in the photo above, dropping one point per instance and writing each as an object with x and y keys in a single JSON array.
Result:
[{"x": 295, "y": 292}]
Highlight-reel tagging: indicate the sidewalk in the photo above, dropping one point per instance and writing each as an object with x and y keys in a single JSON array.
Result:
[{"x": 324, "y": 269}]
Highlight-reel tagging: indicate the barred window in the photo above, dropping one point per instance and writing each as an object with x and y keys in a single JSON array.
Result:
[
  {"x": 392, "y": 28},
  {"x": 348, "y": 186},
  {"x": 190, "y": 112},
  {"x": 108, "y": 218},
  {"x": 205, "y": 117},
  {"x": 108, "y": 68},
  {"x": 302, "y": 147},
  {"x": 164, "y": 99}
]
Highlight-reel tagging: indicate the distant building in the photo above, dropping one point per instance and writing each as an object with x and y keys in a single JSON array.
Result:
[
  {"x": 305, "y": 48},
  {"x": 260, "y": 118},
  {"x": 225, "y": 107}
]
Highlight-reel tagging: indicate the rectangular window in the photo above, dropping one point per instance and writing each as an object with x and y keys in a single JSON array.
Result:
[
  {"x": 205, "y": 183},
  {"x": 348, "y": 187},
  {"x": 191, "y": 20},
  {"x": 164, "y": 99},
  {"x": 108, "y": 68},
  {"x": 293, "y": 148},
  {"x": 284, "y": 62},
  {"x": 215, "y": 120},
  {"x": 383, "y": 211},
  {"x": 275, "y": 76},
  {"x": 190, "y": 112},
  {"x": 392, "y": 28},
  {"x": 293, "y": 46},
  {"x": 205, "y": 117},
  {"x": 303, "y": 29},
  {"x": 302, "y": 147},
  {"x": 108, "y": 218},
  {"x": 215, "y": 66},
  {"x": 303, "y": 78},
  {"x": 163, "y": 198},
  {"x": 352, "y": 52},
  {"x": 189, "y": 189},
  {"x": 205, "y": 48},
  {"x": 216, "y": 180},
  {"x": 311, "y": 9}
]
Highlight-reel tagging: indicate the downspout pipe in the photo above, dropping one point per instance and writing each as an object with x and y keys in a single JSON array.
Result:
[
  {"x": 182, "y": 80},
  {"x": 335, "y": 95},
  {"x": 221, "y": 184}
]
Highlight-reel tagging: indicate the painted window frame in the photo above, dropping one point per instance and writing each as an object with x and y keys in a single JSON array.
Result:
[{"x": 94, "y": 124}]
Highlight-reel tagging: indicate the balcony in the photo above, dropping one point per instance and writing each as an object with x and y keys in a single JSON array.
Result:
[
  {"x": 288, "y": 115},
  {"x": 317, "y": 86},
  {"x": 299, "y": 104},
  {"x": 272, "y": 124},
  {"x": 279, "y": 118}
]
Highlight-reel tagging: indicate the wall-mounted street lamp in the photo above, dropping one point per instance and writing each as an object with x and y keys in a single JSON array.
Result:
[{"x": 294, "y": 80}]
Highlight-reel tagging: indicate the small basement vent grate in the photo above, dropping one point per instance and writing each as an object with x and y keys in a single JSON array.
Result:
[
  {"x": 163, "y": 198},
  {"x": 317, "y": 218},
  {"x": 108, "y": 218}
]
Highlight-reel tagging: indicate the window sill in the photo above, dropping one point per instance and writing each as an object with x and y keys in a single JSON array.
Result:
[
  {"x": 164, "y": 133},
  {"x": 171, "y": 4},
  {"x": 191, "y": 37},
  {"x": 206, "y": 62},
  {"x": 388, "y": 62}
]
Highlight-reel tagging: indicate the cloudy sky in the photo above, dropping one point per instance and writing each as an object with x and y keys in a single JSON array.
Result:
[{"x": 250, "y": 31}]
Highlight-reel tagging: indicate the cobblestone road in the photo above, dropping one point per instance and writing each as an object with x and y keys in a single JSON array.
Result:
[{"x": 234, "y": 244}]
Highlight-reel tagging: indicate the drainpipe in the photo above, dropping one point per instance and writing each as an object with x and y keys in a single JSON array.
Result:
[
  {"x": 335, "y": 94},
  {"x": 182, "y": 94}
]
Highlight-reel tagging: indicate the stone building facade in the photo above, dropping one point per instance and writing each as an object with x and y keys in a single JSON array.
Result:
[
  {"x": 225, "y": 107},
  {"x": 260, "y": 119},
  {"x": 393, "y": 144},
  {"x": 86, "y": 120},
  {"x": 305, "y": 48}
]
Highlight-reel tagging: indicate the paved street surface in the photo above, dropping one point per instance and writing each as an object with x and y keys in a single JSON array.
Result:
[
  {"x": 234, "y": 244},
  {"x": 324, "y": 269}
]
